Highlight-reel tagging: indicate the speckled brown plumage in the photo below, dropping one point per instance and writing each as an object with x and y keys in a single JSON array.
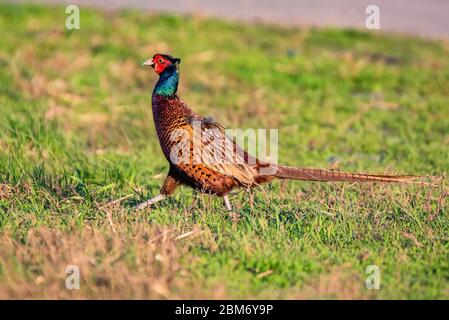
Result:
[{"x": 170, "y": 114}]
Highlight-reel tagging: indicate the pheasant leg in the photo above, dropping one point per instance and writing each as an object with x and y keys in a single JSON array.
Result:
[
  {"x": 170, "y": 184},
  {"x": 150, "y": 202},
  {"x": 227, "y": 203}
]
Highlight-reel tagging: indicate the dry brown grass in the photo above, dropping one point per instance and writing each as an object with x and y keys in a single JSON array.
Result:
[
  {"x": 139, "y": 262},
  {"x": 6, "y": 191},
  {"x": 340, "y": 283}
]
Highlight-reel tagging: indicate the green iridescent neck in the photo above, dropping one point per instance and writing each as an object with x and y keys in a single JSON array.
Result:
[{"x": 168, "y": 83}]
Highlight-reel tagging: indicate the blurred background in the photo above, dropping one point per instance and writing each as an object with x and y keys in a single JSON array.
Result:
[{"x": 419, "y": 17}]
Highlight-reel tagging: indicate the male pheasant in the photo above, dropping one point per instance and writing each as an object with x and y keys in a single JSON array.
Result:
[{"x": 211, "y": 161}]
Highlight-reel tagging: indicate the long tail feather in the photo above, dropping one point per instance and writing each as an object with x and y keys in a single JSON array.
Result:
[{"x": 285, "y": 172}]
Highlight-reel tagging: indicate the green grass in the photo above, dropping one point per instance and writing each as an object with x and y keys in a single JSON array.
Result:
[{"x": 76, "y": 134}]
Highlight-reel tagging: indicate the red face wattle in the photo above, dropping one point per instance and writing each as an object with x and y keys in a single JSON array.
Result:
[{"x": 160, "y": 63}]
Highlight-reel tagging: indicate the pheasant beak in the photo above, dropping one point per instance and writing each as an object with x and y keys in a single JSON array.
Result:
[{"x": 149, "y": 62}]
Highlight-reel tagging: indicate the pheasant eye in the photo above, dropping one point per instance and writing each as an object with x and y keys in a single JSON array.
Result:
[{"x": 161, "y": 61}]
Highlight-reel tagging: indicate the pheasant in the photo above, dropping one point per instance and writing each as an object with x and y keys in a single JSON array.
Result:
[{"x": 196, "y": 160}]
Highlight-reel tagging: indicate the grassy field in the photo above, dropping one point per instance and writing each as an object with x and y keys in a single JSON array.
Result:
[{"x": 78, "y": 149}]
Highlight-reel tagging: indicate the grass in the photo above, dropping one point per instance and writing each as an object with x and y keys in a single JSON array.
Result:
[{"x": 78, "y": 149}]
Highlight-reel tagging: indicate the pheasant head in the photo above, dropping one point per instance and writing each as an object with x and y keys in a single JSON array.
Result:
[
  {"x": 166, "y": 67},
  {"x": 163, "y": 63}
]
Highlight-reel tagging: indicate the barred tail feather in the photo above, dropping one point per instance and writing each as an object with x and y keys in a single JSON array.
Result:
[{"x": 285, "y": 172}]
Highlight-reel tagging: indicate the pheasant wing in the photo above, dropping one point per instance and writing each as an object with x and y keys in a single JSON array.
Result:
[{"x": 212, "y": 148}]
